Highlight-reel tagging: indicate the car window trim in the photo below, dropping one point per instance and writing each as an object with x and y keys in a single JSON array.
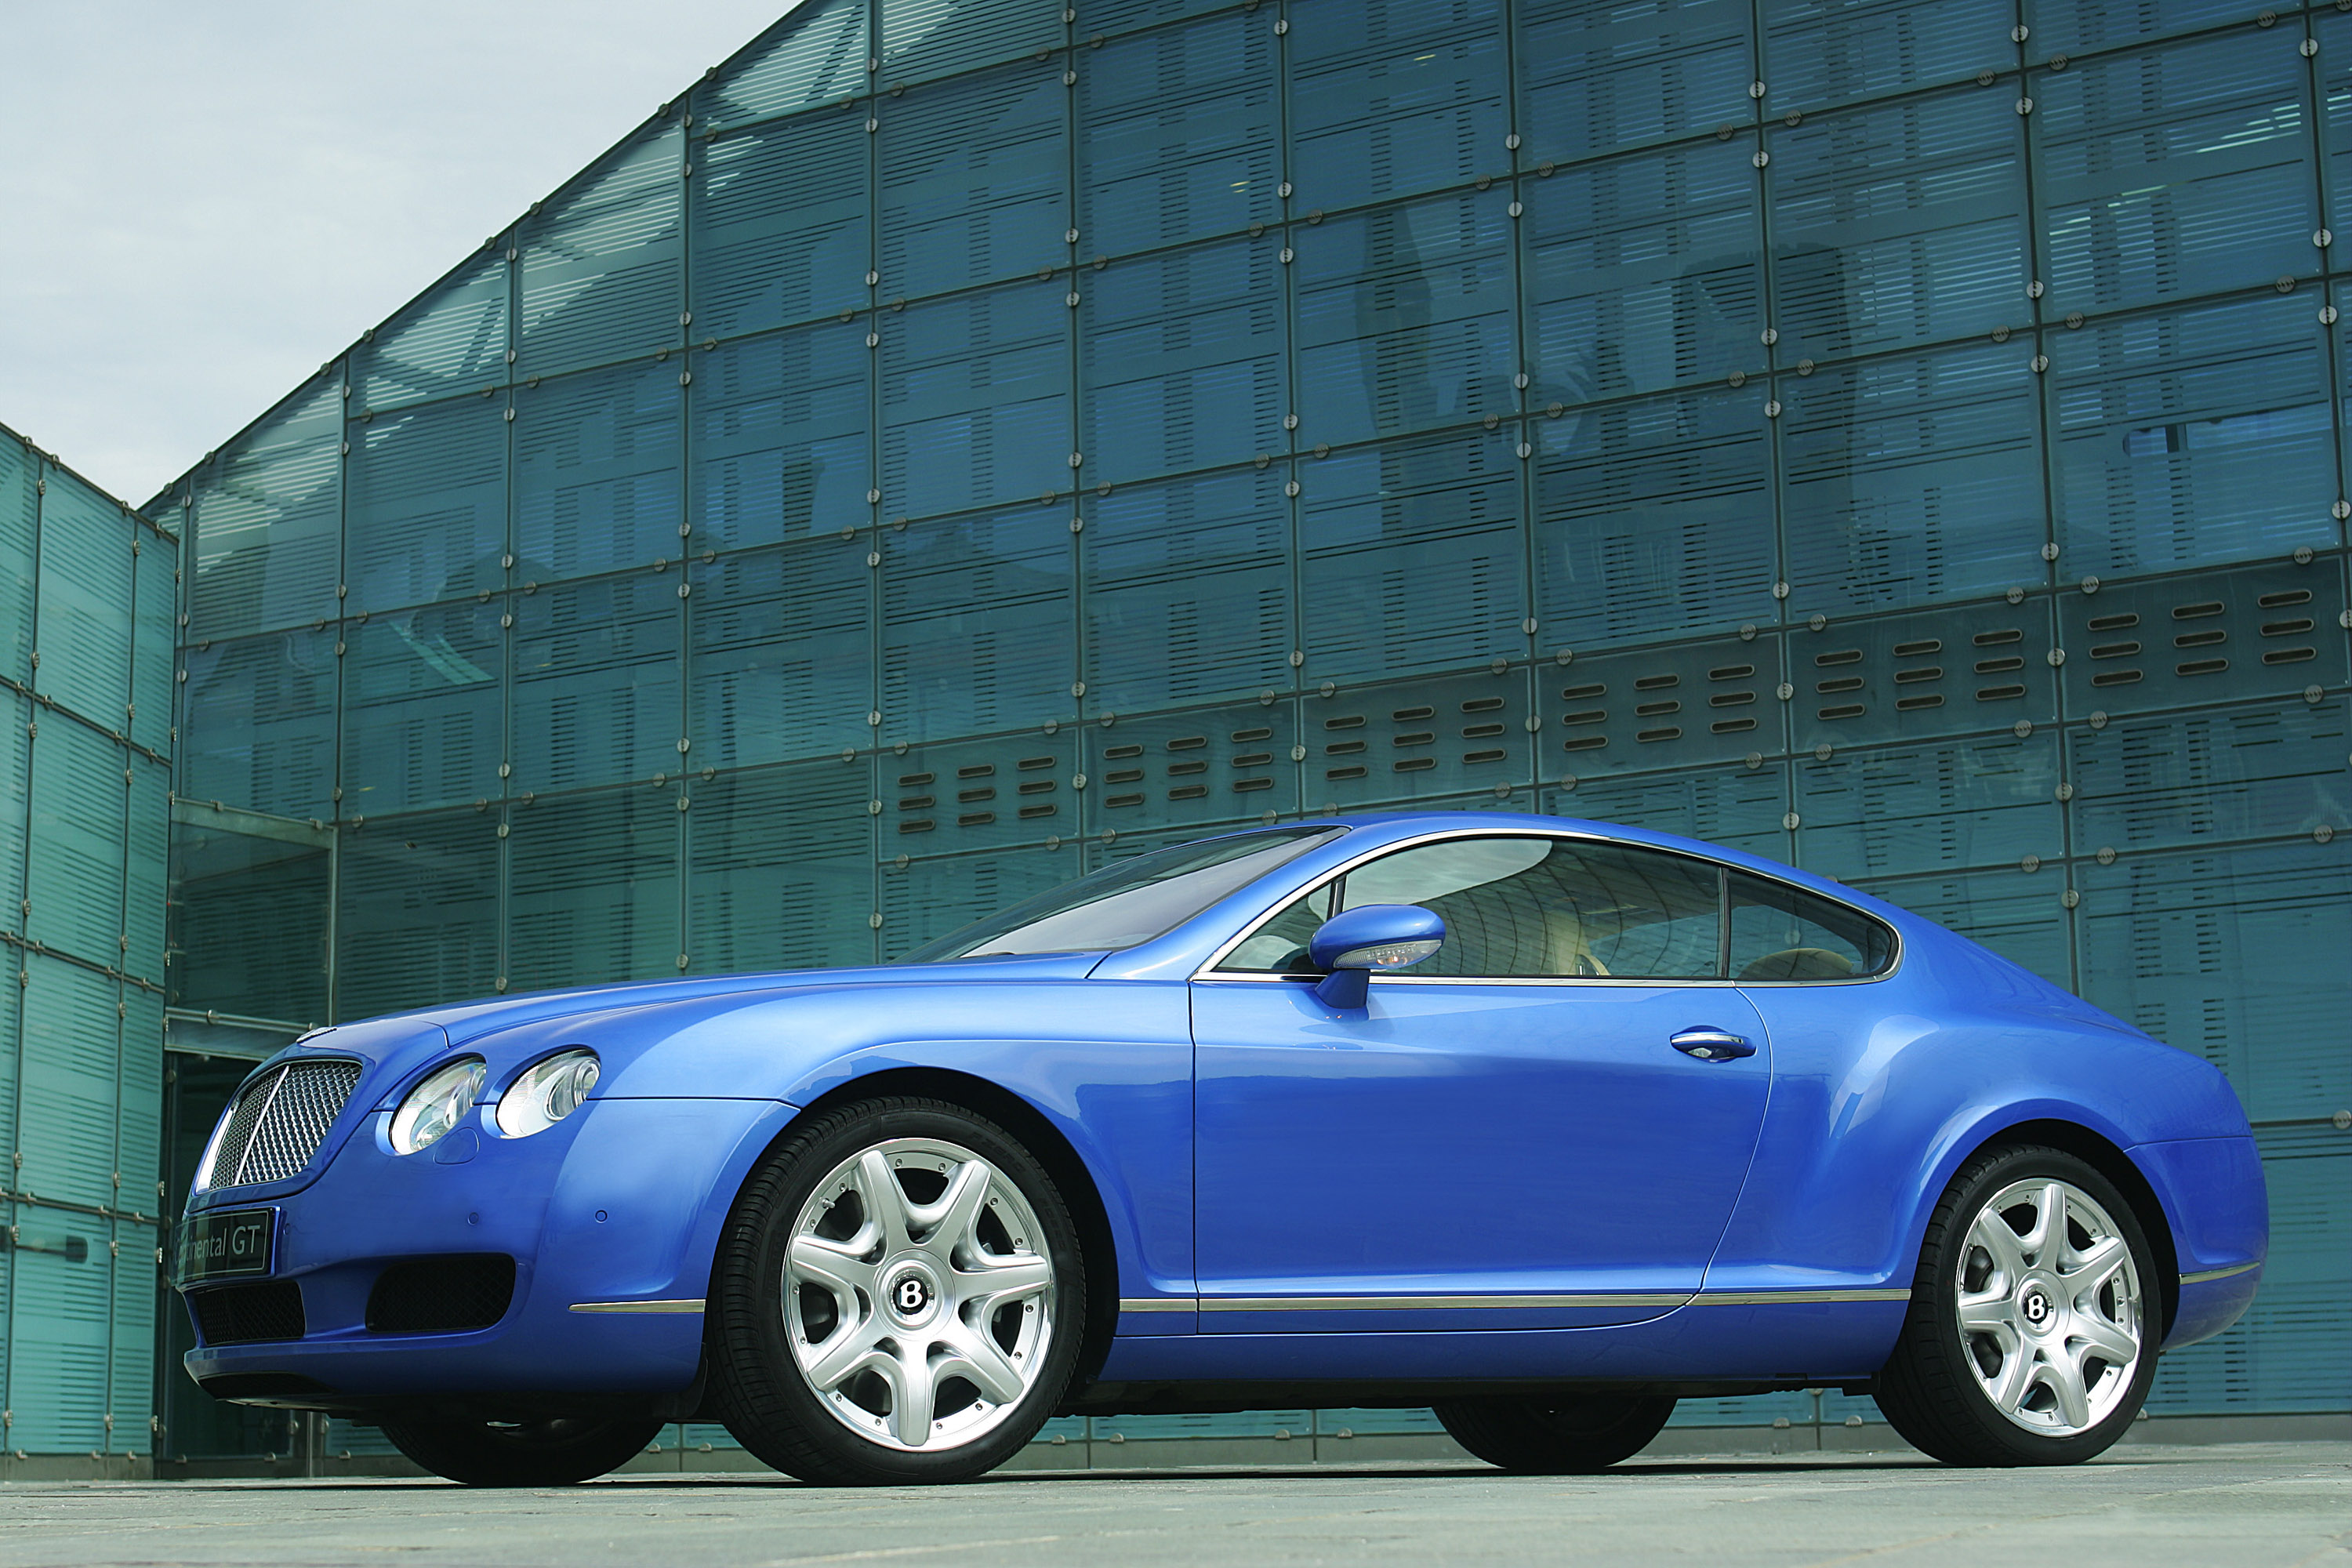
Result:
[{"x": 1208, "y": 969}]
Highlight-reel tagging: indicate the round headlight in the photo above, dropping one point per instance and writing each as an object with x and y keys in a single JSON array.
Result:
[
  {"x": 435, "y": 1106},
  {"x": 546, "y": 1093}
]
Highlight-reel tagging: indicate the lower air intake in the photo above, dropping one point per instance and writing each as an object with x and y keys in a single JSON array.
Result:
[
  {"x": 442, "y": 1294},
  {"x": 243, "y": 1314}
]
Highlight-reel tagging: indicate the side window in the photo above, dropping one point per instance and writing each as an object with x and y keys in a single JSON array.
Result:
[
  {"x": 1555, "y": 909},
  {"x": 1279, "y": 946},
  {"x": 1780, "y": 934}
]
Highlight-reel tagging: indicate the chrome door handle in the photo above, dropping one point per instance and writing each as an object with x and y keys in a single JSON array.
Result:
[{"x": 1710, "y": 1044}]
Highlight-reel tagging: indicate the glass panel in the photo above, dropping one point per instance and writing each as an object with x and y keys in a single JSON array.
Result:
[
  {"x": 976, "y": 399},
  {"x": 782, "y": 436},
  {"x": 974, "y": 177},
  {"x": 595, "y": 481},
  {"x": 1545, "y": 908},
  {"x": 1177, "y": 135},
  {"x": 1388, "y": 97},
  {"x": 1597, "y": 74}
]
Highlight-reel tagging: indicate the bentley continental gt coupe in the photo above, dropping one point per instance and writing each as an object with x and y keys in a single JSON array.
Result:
[{"x": 1541, "y": 1123}]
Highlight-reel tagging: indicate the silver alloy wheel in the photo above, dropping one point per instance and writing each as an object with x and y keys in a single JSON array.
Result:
[
  {"x": 917, "y": 1310},
  {"x": 2049, "y": 1307}
]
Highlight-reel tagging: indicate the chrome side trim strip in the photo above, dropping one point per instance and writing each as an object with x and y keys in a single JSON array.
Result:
[
  {"x": 695, "y": 1305},
  {"x": 1158, "y": 1304},
  {"x": 1426, "y": 1304},
  {"x": 2207, "y": 1277},
  {"x": 1785, "y": 1298}
]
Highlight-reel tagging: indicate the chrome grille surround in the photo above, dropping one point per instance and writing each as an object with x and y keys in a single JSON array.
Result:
[{"x": 278, "y": 1121}]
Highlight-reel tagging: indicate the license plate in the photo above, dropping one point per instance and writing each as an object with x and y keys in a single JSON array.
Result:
[{"x": 226, "y": 1245}]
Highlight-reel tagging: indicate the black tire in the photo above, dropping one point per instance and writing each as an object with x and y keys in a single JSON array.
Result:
[
  {"x": 555, "y": 1453},
  {"x": 1932, "y": 1394},
  {"x": 1571, "y": 1437},
  {"x": 759, "y": 1388}
]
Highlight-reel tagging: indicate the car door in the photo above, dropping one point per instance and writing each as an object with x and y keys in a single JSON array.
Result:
[{"x": 1506, "y": 1136}]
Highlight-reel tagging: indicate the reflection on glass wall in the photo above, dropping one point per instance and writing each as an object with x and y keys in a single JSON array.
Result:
[{"x": 950, "y": 445}]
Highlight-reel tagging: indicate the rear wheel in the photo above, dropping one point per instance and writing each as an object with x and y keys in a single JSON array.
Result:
[
  {"x": 551, "y": 1453},
  {"x": 2029, "y": 1339},
  {"x": 899, "y": 1299},
  {"x": 1540, "y": 1437}
]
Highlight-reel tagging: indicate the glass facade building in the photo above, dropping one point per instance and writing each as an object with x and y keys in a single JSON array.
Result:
[
  {"x": 952, "y": 443},
  {"x": 87, "y": 595}
]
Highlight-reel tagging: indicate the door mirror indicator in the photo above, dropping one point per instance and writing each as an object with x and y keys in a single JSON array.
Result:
[{"x": 1350, "y": 945}]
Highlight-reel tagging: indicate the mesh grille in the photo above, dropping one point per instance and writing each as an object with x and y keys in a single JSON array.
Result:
[
  {"x": 280, "y": 1120},
  {"x": 442, "y": 1294},
  {"x": 235, "y": 1314}
]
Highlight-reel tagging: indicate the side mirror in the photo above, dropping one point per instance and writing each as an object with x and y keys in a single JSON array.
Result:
[{"x": 1377, "y": 936}]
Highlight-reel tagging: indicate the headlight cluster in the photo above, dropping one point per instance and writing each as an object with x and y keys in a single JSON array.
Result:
[{"x": 545, "y": 1093}]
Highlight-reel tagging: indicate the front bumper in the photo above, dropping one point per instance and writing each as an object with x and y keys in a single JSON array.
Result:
[{"x": 620, "y": 1207}]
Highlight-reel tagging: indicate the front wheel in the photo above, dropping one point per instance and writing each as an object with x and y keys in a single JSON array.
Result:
[
  {"x": 2030, "y": 1338},
  {"x": 900, "y": 1298},
  {"x": 555, "y": 1453},
  {"x": 1563, "y": 1438}
]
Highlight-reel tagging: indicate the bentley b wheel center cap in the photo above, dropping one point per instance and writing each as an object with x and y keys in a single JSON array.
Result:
[
  {"x": 911, "y": 1294},
  {"x": 2037, "y": 1310}
]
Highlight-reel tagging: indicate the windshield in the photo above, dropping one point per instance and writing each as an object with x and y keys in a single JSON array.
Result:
[{"x": 1130, "y": 901}]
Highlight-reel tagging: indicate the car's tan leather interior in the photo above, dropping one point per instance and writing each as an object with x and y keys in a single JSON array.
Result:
[{"x": 1569, "y": 955}]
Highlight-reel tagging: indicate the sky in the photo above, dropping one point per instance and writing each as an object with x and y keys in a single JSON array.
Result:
[{"x": 203, "y": 201}]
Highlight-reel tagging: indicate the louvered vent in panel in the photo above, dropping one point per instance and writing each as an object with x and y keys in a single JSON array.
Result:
[
  {"x": 974, "y": 179},
  {"x": 1412, "y": 557},
  {"x": 74, "y": 860},
  {"x": 976, "y": 399},
  {"x": 20, "y": 500},
  {"x": 596, "y": 681},
  {"x": 2167, "y": 781},
  {"x": 86, "y": 603},
  {"x": 592, "y": 888},
  {"x": 924, "y": 899},
  {"x": 421, "y": 706},
  {"x": 601, "y": 274},
  {"x": 1207, "y": 766},
  {"x": 1389, "y": 97},
  {"x": 1886, "y": 810},
  {"x": 1188, "y": 589},
  {"x": 1177, "y": 134},
  {"x": 1681, "y": 706},
  {"x": 2235, "y": 955},
  {"x": 2076, "y": 26},
  {"x": 1912, "y": 479},
  {"x": 259, "y": 724},
  {"x": 1816, "y": 54},
  {"x": 1413, "y": 739},
  {"x": 1405, "y": 318},
  {"x": 1899, "y": 223},
  {"x": 427, "y": 510},
  {"x": 781, "y": 867},
  {"x": 975, "y": 795},
  {"x": 2192, "y": 437},
  {"x": 1644, "y": 272},
  {"x": 67, "y": 1100},
  {"x": 1181, "y": 362},
  {"x": 1645, "y": 519},
  {"x": 2018, "y": 914},
  {"x": 782, "y": 662},
  {"x": 1742, "y": 807},
  {"x": 926, "y": 38},
  {"x": 779, "y": 224},
  {"x": 781, "y": 437},
  {"x": 417, "y": 921},
  {"x": 1977, "y": 668},
  {"x": 596, "y": 472},
  {"x": 978, "y": 624},
  {"x": 264, "y": 523},
  {"x": 816, "y": 55},
  {"x": 451, "y": 340},
  {"x": 2174, "y": 172},
  {"x": 2255, "y": 633},
  {"x": 1593, "y": 76}
]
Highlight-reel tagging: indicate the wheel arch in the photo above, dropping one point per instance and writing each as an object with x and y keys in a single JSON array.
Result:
[
  {"x": 2109, "y": 1160},
  {"x": 1038, "y": 1133}
]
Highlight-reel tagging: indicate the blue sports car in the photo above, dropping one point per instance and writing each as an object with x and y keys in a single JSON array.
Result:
[{"x": 1543, "y": 1123}]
